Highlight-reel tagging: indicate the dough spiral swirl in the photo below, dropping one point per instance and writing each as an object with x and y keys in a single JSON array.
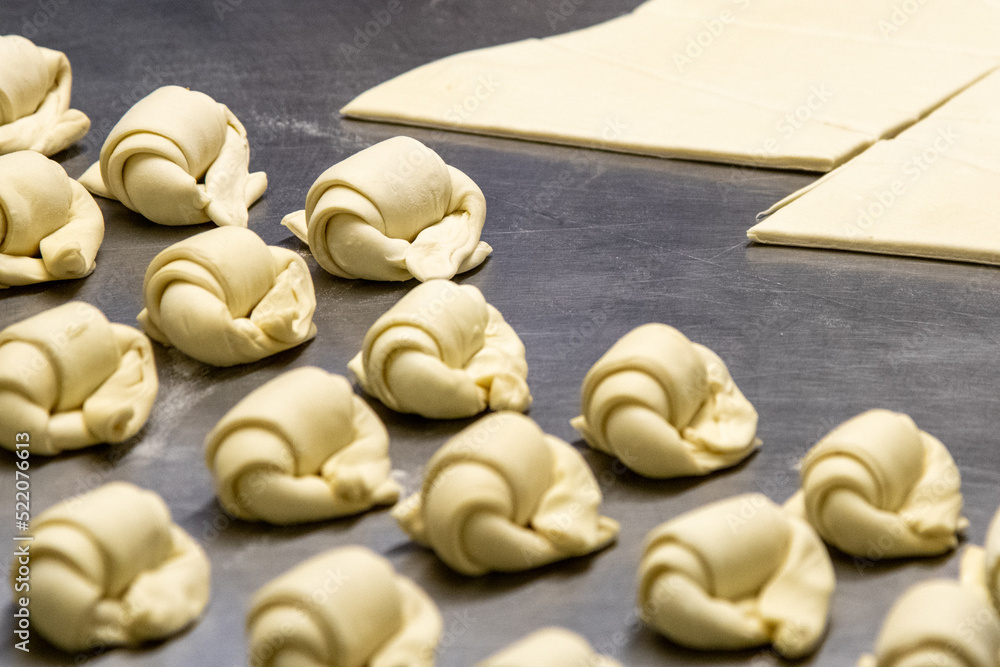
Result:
[
  {"x": 178, "y": 157},
  {"x": 50, "y": 226},
  {"x": 71, "y": 379},
  {"x": 110, "y": 568},
  {"x": 394, "y": 211},
  {"x": 302, "y": 447},
  {"x": 504, "y": 496},
  {"x": 665, "y": 406},
  {"x": 346, "y": 607},
  {"x": 35, "y": 88},
  {"x": 226, "y": 298},
  {"x": 444, "y": 353},
  {"x": 735, "y": 574}
]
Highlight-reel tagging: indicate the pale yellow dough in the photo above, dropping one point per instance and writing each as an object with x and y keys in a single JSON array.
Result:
[
  {"x": 938, "y": 623},
  {"x": 551, "y": 647},
  {"x": 735, "y": 574},
  {"x": 504, "y": 496},
  {"x": 110, "y": 568},
  {"x": 70, "y": 379},
  {"x": 444, "y": 353},
  {"x": 178, "y": 157},
  {"x": 226, "y": 298},
  {"x": 878, "y": 487},
  {"x": 665, "y": 406},
  {"x": 344, "y": 608},
  {"x": 50, "y": 227},
  {"x": 776, "y": 83},
  {"x": 302, "y": 447},
  {"x": 394, "y": 211},
  {"x": 980, "y": 565},
  {"x": 929, "y": 192},
  {"x": 35, "y": 88},
  {"x": 992, "y": 560}
]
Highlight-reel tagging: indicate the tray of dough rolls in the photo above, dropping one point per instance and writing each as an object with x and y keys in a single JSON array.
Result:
[{"x": 587, "y": 245}]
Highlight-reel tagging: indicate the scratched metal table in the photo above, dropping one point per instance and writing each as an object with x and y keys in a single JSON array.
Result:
[{"x": 588, "y": 246}]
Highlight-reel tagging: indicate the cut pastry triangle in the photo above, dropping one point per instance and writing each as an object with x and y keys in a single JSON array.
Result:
[{"x": 930, "y": 192}]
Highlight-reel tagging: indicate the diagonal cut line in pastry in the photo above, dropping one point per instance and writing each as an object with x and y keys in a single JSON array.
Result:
[
  {"x": 929, "y": 192},
  {"x": 709, "y": 80}
]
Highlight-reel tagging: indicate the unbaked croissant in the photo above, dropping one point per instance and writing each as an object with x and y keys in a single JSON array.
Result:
[
  {"x": 992, "y": 560},
  {"x": 980, "y": 565},
  {"x": 226, "y": 298},
  {"x": 69, "y": 379},
  {"x": 938, "y": 623},
  {"x": 344, "y": 608},
  {"x": 444, "y": 353},
  {"x": 35, "y": 88},
  {"x": 735, "y": 574},
  {"x": 550, "y": 647},
  {"x": 665, "y": 406},
  {"x": 50, "y": 227},
  {"x": 504, "y": 496},
  {"x": 110, "y": 568},
  {"x": 178, "y": 157},
  {"x": 878, "y": 487},
  {"x": 394, "y": 211},
  {"x": 302, "y": 447}
]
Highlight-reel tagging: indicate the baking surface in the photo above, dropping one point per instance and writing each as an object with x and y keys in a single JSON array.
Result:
[{"x": 587, "y": 245}]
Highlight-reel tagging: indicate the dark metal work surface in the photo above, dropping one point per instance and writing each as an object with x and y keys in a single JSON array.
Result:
[{"x": 587, "y": 245}]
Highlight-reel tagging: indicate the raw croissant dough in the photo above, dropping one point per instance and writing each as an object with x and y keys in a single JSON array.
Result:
[
  {"x": 302, "y": 447},
  {"x": 665, "y": 406},
  {"x": 69, "y": 378},
  {"x": 178, "y": 157},
  {"x": 394, "y": 211},
  {"x": 776, "y": 83},
  {"x": 50, "y": 227},
  {"x": 346, "y": 607},
  {"x": 226, "y": 298},
  {"x": 938, "y": 623},
  {"x": 504, "y": 496},
  {"x": 444, "y": 353},
  {"x": 110, "y": 568},
  {"x": 551, "y": 647},
  {"x": 735, "y": 574},
  {"x": 929, "y": 192},
  {"x": 980, "y": 565},
  {"x": 35, "y": 88},
  {"x": 878, "y": 487}
]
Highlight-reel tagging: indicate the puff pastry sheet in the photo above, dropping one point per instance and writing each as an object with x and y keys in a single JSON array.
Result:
[
  {"x": 930, "y": 192},
  {"x": 774, "y": 83}
]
